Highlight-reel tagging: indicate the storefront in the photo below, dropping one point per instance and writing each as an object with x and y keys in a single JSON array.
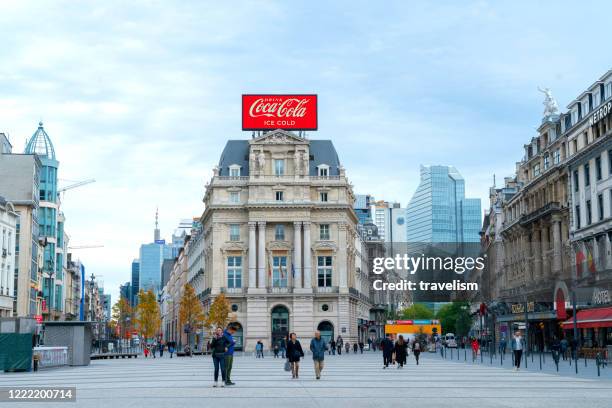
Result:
[{"x": 594, "y": 327}]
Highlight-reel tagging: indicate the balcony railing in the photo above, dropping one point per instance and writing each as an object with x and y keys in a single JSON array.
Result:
[
  {"x": 540, "y": 212},
  {"x": 277, "y": 290},
  {"x": 326, "y": 289}
]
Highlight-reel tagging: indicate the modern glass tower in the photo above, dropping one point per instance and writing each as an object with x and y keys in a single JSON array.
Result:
[
  {"x": 50, "y": 221},
  {"x": 439, "y": 211}
]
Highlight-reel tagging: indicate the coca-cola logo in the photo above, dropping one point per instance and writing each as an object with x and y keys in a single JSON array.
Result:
[
  {"x": 287, "y": 108},
  {"x": 296, "y": 112}
]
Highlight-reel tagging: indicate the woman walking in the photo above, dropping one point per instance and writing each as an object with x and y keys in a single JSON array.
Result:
[
  {"x": 218, "y": 346},
  {"x": 401, "y": 350},
  {"x": 475, "y": 348},
  {"x": 294, "y": 353},
  {"x": 416, "y": 349}
]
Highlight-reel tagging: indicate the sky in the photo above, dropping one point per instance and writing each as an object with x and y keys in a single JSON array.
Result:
[{"x": 142, "y": 96}]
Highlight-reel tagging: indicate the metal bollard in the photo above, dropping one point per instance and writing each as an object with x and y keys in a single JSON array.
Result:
[
  {"x": 451, "y": 353},
  {"x": 540, "y": 361},
  {"x": 465, "y": 354}
]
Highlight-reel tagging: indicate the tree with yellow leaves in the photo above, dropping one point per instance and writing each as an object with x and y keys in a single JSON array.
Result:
[
  {"x": 219, "y": 313},
  {"x": 191, "y": 312},
  {"x": 122, "y": 316},
  {"x": 148, "y": 319}
]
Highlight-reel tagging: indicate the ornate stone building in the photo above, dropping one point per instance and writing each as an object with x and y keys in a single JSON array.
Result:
[{"x": 280, "y": 240}]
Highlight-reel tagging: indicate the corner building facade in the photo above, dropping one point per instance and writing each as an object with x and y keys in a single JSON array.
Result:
[{"x": 279, "y": 239}]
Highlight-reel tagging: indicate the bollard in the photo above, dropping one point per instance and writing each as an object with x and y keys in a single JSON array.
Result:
[
  {"x": 540, "y": 361},
  {"x": 585, "y": 362},
  {"x": 465, "y": 354},
  {"x": 597, "y": 362},
  {"x": 501, "y": 359},
  {"x": 451, "y": 353}
]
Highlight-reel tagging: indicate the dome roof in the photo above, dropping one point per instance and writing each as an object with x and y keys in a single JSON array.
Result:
[{"x": 40, "y": 144}]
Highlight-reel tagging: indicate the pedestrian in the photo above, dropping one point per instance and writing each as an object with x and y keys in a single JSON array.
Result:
[
  {"x": 171, "y": 348},
  {"x": 355, "y": 347},
  {"x": 294, "y": 353},
  {"x": 555, "y": 348},
  {"x": 475, "y": 347},
  {"x": 573, "y": 348},
  {"x": 259, "y": 349},
  {"x": 161, "y": 349},
  {"x": 387, "y": 349},
  {"x": 153, "y": 348},
  {"x": 146, "y": 351},
  {"x": 219, "y": 346},
  {"x": 276, "y": 350},
  {"x": 229, "y": 354},
  {"x": 283, "y": 347},
  {"x": 518, "y": 344},
  {"x": 318, "y": 346},
  {"x": 400, "y": 351},
  {"x": 502, "y": 345},
  {"x": 339, "y": 344},
  {"x": 347, "y": 347},
  {"x": 332, "y": 347},
  {"x": 564, "y": 348},
  {"x": 370, "y": 344},
  {"x": 416, "y": 349},
  {"x": 361, "y": 345}
]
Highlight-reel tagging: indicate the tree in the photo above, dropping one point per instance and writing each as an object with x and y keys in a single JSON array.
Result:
[
  {"x": 417, "y": 311},
  {"x": 219, "y": 313},
  {"x": 455, "y": 318},
  {"x": 148, "y": 318},
  {"x": 191, "y": 312},
  {"x": 122, "y": 317}
]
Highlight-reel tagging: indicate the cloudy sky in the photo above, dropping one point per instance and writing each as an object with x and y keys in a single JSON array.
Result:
[{"x": 142, "y": 97}]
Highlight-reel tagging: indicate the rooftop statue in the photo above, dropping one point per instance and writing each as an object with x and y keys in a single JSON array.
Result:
[{"x": 550, "y": 104}]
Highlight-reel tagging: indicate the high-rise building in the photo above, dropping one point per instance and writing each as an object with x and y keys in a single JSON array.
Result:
[
  {"x": 363, "y": 208},
  {"x": 51, "y": 222},
  {"x": 151, "y": 259},
  {"x": 135, "y": 282},
  {"x": 439, "y": 210},
  {"x": 390, "y": 221},
  {"x": 19, "y": 184}
]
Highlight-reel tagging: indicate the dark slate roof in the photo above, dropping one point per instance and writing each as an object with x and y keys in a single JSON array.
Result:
[
  {"x": 321, "y": 152},
  {"x": 324, "y": 152},
  {"x": 235, "y": 152}
]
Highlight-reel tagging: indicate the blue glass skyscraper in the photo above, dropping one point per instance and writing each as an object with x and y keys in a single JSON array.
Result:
[{"x": 439, "y": 211}]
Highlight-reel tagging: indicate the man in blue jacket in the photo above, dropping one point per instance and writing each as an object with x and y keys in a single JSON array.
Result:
[
  {"x": 318, "y": 346},
  {"x": 229, "y": 354}
]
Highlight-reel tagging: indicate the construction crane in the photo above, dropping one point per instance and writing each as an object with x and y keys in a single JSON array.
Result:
[
  {"x": 85, "y": 246},
  {"x": 75, "y": 185}
]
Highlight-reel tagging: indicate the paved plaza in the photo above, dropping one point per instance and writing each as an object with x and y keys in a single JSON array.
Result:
[{"x": 348, "y": 381}]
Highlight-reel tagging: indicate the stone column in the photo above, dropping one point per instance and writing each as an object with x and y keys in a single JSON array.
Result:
[
  {"x": 297, "y": 254},
  {"x": 261, "y": 256},
  {"x": 307, "y": 256},
  {"x": 536, "y": 255},
  {"x": 252, "y": 255},
  {"x": 342, "y": 258},
  {"x": 556, "y": 265},
  {"x": 544, "y": 245}
]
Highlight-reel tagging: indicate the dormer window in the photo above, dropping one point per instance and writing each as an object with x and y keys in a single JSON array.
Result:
[
  {"x": 323, "y": 170},
  {"x": 234, "y": 170}
]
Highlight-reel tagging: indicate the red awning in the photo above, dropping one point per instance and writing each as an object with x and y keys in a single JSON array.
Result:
[{"x": 590, "y": 318}]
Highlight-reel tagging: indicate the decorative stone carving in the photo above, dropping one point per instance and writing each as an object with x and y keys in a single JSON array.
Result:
[
  {"x": 550, "y": 104},
  {"x": 261, "y": 161}
]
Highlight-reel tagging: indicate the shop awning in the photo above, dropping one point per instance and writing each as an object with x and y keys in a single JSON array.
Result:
[{"x": 591, "y": 318}]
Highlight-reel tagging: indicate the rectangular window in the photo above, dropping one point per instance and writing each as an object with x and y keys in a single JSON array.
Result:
[
  {"x": 546, "y": 162},
  {"x": 577, "y": 221},
  {"x": 324, "y": 271},
  {"x": 600, "y": 208},
  {"x": 324, "y": 197},
  {"x": 587, "y": 175},
  {"x": 235, "y": 172},
  {"x": 279, "y": 271},
  {"x": 279, "y": 167},
  {"x": 279, "y": 196},
  {"x": 588, "y": 212},
  {"x": 234, "y": 272},
  {"x": 279, "y": 232},
  {"x": 234, "y": 232},
  {"x": 576, "y": 179},
  {"x": 324, "y": 231},
  {"x": 557, "y": 156},
  {"x": 323, "y": 171},
  {"x": 536, "y": 170},
  {"x": 598, "y": 168},
  {"x": 234, "y": 197}
]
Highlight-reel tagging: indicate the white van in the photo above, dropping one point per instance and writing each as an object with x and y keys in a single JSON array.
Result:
[{"x": 449, "y": 340}]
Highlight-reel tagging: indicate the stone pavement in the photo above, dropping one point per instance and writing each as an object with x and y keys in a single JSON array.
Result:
[{"x": 348, "y": 381}]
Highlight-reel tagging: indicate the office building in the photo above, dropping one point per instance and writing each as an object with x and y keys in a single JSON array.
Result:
[{"x": 439, "y": 211}]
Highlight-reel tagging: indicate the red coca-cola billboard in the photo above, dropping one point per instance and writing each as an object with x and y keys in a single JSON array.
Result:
[{"x": 290, "y": 112}]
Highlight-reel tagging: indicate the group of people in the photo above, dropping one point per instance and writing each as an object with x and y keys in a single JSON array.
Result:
[
  {"x": 338, "y": 344},
  {"x": 397, "y": 352},
  {"x": 158, "y": 347}
]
